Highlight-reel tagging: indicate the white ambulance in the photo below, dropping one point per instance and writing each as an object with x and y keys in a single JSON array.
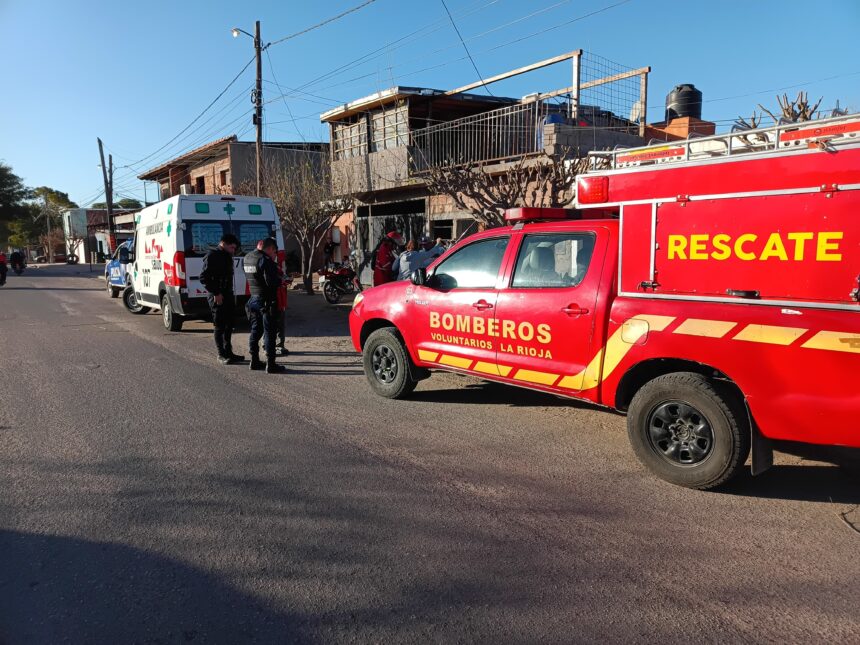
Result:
[{"x": 171, "y": 240}]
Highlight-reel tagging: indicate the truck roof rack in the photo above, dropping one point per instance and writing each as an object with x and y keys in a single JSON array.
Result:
[{"x": 820, "y": 133}]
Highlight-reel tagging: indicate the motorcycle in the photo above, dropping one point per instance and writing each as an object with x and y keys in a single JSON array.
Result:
[{"x": 338, "y": 280}]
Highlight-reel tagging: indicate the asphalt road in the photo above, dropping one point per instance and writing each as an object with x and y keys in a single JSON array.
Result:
[{"x": 150, "y": 495}]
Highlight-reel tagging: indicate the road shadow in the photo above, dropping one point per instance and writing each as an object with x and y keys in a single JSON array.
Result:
[
  {"x": 800, "y": 482},
  {"x": 60, "y": 589},
  {"x": 51, "y": 288},
  {"x": 491, "y": 393}
]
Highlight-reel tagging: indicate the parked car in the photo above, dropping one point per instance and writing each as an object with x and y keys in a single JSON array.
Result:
[
  {"x": 58, "y": 257},
  {"x": 117, "y": 275}
]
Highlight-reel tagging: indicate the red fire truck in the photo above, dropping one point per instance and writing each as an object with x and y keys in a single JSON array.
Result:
[{"x": 708, "y": 288}]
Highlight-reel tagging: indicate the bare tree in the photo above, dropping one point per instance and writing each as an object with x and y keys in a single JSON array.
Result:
[
  {"x": 795, "y": 110},
  {"x": 51, "y": 241},
  {"x": 547, "y": 181},
  {"x": 302, "y": 193}
]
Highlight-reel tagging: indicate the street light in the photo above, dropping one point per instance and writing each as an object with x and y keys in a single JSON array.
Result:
[{"x": 258, "y": 95}]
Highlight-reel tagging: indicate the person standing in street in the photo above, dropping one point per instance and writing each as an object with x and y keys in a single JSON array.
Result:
[
  {"x": 2, "y": 268},
  {"x": 384, "y": 257},
  {"x": 264, "y": 279},
  {"x": 217, "y": 277},
  {"x": 282, "y": 313}
]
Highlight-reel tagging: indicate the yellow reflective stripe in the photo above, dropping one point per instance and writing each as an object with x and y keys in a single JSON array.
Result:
[
  {"x": 530, "y": 376},
  {"x": 656, "y": 323},
  {"x": 487, "y": 368},
  {"x": 587, "y": 378},
  {"x": 709, "y": 328},
  {"x": 455, "y": 361},
  {"x": 835, "y": 341},
  {"x": 504, "y": 370},
  {"x": 770, "y": 334},
  {"x": 430, "y": 357}
]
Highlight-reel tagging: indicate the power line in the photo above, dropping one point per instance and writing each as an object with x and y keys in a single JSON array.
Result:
[
  {"x": 197, "y": 118},
  {"x": 323, "y": 23},
  {"x": 562, "y": 24},
  {"x": 462, "y": 42},
  {"x": 286, "y": 103}
]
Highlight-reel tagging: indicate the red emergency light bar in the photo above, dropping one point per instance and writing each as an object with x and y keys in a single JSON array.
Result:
[
  {"x": 592, "y": 189},
  {"x": 534, "y": 214}
]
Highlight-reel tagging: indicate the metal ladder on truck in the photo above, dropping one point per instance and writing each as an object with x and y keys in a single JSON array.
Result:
[{"x": 820, "y": 133}]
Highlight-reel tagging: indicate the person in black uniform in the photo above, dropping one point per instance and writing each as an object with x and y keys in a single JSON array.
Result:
[
  {"x": 264, "y": 279},
  {"x": 217, "y": 277}
]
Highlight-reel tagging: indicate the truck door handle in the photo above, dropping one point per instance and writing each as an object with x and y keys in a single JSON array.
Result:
[
  {"x": 573, "y": 310},
  {"x": 481, "y": 305}
]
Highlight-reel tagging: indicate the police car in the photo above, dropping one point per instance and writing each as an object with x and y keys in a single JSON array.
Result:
[{"x": 117, "y": 276}]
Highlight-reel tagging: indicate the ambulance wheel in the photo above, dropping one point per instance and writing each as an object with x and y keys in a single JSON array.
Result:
[
  {"x": 331, "y": 293},
  {"x": 129, "y": 299},
  {"x": 686, "y": 432},
  {"x": 113, "y": 291},
  {"x": 172, "y": 321},
  {"x": 386, "y": 364}
]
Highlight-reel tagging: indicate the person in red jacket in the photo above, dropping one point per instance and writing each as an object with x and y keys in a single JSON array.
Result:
[
  {"x": 2, "y": 268},
  {"x": 383, "y": 261}
]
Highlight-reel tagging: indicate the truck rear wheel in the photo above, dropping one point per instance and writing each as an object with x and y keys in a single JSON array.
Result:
[
  {"x": 172, "y": 321},
  {"x": 686, "y": 432},
  {"x": 386, "y": 364}
]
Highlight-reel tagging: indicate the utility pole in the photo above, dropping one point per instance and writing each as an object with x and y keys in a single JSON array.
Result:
[
  {"x": 257, "y": 97},
  {"x": 258, "y": 100},
  {"x": 107, "y": 175}
]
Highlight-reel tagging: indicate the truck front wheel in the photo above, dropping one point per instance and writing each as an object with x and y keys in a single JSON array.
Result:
[
  {"x": 386, "y": 364},
  {"x": 686, "y": 432}
]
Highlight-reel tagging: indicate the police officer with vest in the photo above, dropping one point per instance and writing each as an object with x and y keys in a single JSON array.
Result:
[
  {"x": 217, "y": 277},
  {"x": 264, "y": 279}
]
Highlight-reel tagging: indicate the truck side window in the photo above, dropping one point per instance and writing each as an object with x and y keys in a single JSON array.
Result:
[
  {"x": 475, "y": 266},
  {"x": 553, "y": 260}
]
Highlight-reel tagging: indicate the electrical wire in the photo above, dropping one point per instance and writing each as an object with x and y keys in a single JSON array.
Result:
[
  {"x": 468, "y": 53},
  {"x": 286, "y": 103},
  {"x": 322, "y": 24}
]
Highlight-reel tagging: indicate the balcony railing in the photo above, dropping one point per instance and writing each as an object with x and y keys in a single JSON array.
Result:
[{"x": 506, "y": 133}]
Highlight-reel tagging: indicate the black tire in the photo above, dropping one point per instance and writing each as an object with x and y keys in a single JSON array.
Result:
[
  {"x": 331, "y": 292},
  {"x": 687, "y": 432},
  {"x": 129, "y": 299},
  {"x": 113, "y": 291},
  {"x": 387, "y": 364},
  {"x": 172, "y": 321}
]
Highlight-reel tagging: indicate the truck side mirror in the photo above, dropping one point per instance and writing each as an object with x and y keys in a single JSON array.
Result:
[{"x": 419, "y": 277}]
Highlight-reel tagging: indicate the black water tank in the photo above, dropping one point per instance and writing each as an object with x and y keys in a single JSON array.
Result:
[{"x": 684, "y": 100}]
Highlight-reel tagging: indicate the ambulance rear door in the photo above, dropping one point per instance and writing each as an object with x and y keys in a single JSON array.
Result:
[{"x": 252, "y": 221}]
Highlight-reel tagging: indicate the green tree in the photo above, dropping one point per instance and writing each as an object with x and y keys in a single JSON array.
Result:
[
  {"x": 26, "y": 229},
  {"x": 127, "y": 202},
  {"x": 12, "y": 193},
  {"x": 57, "y": 199}
]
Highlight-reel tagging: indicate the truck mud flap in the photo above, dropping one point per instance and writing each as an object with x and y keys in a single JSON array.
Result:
[{"x": 761, "y": 448}]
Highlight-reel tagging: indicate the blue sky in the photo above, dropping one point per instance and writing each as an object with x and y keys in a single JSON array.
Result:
[{"x": 136, "y": 74}]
